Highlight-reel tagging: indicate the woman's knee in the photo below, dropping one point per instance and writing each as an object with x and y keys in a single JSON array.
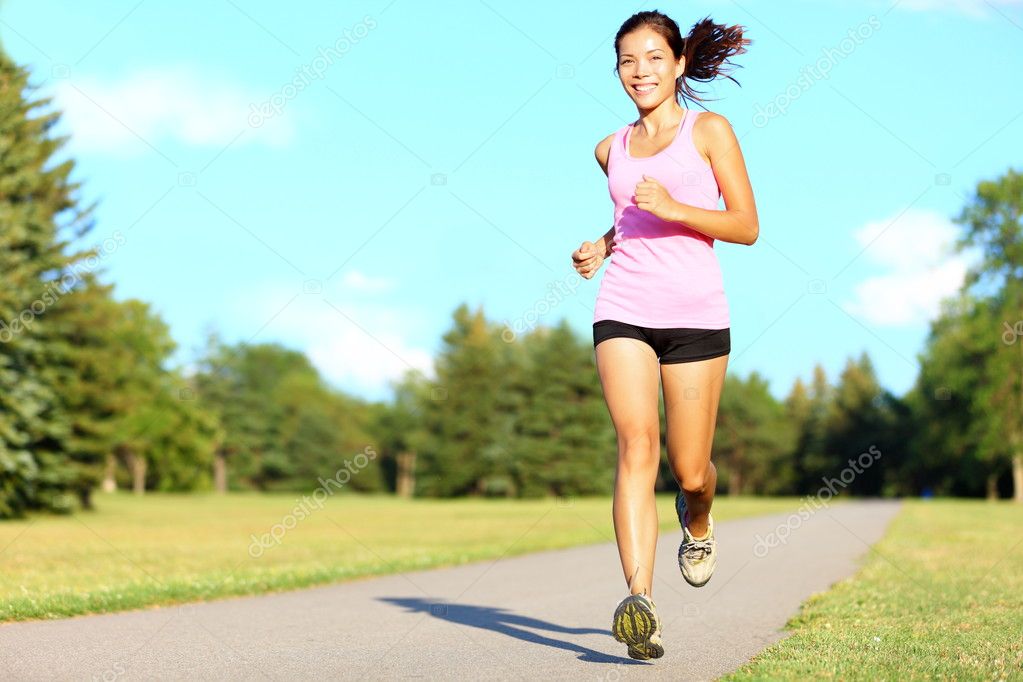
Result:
[
  {"x": 695, "y": 480},
  {"x": 694, "y": 485},
  {"x": 639, "y": 448}
]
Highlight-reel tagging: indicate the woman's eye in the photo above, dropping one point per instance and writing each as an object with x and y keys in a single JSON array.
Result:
[{"x": 657, "y": 56}]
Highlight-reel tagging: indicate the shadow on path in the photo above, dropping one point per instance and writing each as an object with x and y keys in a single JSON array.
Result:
[{"x": 505, "y": 622}]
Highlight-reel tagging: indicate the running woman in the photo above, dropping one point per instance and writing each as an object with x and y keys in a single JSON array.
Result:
[{"x": 661, "y": 312}]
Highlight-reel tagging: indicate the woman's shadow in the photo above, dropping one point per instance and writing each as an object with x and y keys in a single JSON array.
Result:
[{"x": 505, "y": 622}]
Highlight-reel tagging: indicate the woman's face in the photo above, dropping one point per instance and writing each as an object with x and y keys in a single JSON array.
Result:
[{"x": 647, "y": 68}]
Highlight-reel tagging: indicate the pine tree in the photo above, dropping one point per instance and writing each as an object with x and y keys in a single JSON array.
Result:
[
  {"x": 564, "y": 443},
  {"x": 812, "y": 461},
  {"x": 39, "y": 214},
  {"x": 753, "y": 438},
  {"x": 460, "y": 414},
  {"x": 857, "y": 426}
]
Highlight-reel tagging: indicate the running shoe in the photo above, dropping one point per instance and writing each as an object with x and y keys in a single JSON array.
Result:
[
  {"x": 696, "y": 558},
  {"x": 636, "y": 623}
]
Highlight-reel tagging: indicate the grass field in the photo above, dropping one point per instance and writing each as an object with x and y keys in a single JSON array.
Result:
[
  {"x": 161, "y": 549},
  {"x": 939, "y": 597}
]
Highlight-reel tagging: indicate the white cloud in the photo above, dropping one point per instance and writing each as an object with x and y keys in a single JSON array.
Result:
[
  {"x": 365, "y": 356},
  {"x": 360, "y": 282},
  {"x": 162, "y": 105},
  {"x": 922, "y": 268},
  {"x": 358, "y": 347}
]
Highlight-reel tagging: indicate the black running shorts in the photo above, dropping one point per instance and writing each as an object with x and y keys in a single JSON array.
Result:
[{"x": 671, "y": 345}]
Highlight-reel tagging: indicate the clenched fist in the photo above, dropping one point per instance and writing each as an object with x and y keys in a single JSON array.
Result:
[
  {"x": 652, "y": 196},
  {"x": 587, "y": 259}
]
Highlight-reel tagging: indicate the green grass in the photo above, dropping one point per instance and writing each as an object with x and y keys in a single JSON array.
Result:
[
  {"x": 161, "y": 549},
  {"x": 939, "y": 597}
]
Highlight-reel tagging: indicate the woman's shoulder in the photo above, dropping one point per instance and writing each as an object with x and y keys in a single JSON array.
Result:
[
  {"x": 709, "y": 130},
  {"x": 711, "y": 123},
  {"x": 603, "y": 150},
  {"x": 710, "y": 119},
  {"x": 605, "y": 143}
]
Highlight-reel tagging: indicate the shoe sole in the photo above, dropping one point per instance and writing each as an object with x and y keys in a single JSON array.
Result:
[
  {"x": 633, "y": 624},
  {"x": 645, "y": 652}
]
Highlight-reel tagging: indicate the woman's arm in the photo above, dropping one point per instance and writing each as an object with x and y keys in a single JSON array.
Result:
[
  {"x": 605, "y": 243},
  {"x": 603, "y": 153},
  {"x": 738, "y": 223}
]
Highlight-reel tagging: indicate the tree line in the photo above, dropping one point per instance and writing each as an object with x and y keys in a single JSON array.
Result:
[{"x": 88, "y": 402}]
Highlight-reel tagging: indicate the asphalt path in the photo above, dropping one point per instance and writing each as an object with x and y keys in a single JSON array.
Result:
[{"x": 543, "y": 615}]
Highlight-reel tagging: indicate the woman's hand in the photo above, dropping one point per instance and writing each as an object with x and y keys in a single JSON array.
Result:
[
  {"x": 587, "y": 259},
  {"x": 651, "y": 196}
]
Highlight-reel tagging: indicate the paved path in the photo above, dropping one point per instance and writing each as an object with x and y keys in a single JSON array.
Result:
[{"x": 541, "y": 615}]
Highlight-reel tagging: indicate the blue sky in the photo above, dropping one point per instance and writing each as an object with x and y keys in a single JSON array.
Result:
[{"x": 339, "y": 177}]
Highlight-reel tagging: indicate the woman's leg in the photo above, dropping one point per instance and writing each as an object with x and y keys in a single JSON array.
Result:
[
  {"x": 692, "y": 391},
  {"x": 629, "y": 377}
]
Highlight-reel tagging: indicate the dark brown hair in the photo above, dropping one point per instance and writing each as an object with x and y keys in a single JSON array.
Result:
[{"x": 706, "y": 48}]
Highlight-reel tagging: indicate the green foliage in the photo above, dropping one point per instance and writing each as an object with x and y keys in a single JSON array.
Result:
[
  {"x": 283, "y": 429},
  {"x": 753, "y": 440},
  {"x": 858, "y": 426},
  {"x": 522, "y": 418},
  {"x": 37, "y": 205},
  {"x": 969, "y": 394},
  {"x": 397, "y": 426},
  {"x": 951, "y": 375},
  {"x": 527, "y": 418},
  {"x": 108, "y": 368},
  {"x": 991, "y": 221},
  {"x": 81, "y": 375},
  {"x": 808, "y": 409},
  {"x": 177, "y": 435},
  {"x": 563, "y": 442},
  {"x": 460, "y": 449}
]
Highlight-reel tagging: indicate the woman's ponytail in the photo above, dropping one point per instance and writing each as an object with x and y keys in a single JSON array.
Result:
[{"x": 707, "y": 50}]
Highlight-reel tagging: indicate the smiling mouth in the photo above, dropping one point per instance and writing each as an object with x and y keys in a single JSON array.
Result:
[{"x": 645, "y": 88}]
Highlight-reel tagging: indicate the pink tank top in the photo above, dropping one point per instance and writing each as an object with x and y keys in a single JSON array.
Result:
[{"x": 662, "y": 274}]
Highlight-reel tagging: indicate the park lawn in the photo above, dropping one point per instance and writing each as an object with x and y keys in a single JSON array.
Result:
[
  {"x": 939, "y": 597},
  {"x": 162, "y": 549}
]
